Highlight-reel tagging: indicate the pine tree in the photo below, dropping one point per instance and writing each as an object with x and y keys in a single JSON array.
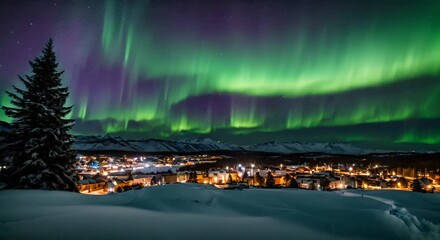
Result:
[
  {"x": 325, "y": 184},
  {"x": 287, "y": 179},
  {"x": 193, "y": 176},
  {"x": 229, "y": 179},
  {"x": 416, "y": 186},
  {"x": 293, "y": 183},
  {"x": 245, "y": 177},
  {"x": 258, "y": 179},
  {"x": 312, "y": 185},
  {"x": 270, "y": 181},
  {"x": 38, "y": 143}
]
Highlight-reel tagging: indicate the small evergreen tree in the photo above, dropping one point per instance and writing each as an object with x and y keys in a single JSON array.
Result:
[
  {"x": 287, "y": 179},
  {"x": 325, "y": 184},
  {"x": 258, "y": 179},
  {"x": 245, "y": 177},
  {"x": 270, "y": 181},
  {"x": 312, "y": 185},
  {"x": 229, "y": 179},
  {"x": 290, "y": 182},
  {"x": 416, "y": 186},
  {"x": 193, "y": 176},
  {"x": 154, "y": 180},
  {"x": 38, "y": 143},
  {"x": 293, "y": 183}
]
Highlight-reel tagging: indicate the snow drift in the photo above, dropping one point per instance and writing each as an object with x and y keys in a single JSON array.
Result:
[{"x": 191, "y": 211}]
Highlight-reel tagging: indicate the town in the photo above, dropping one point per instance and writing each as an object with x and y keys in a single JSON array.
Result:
[{"x": 104, "y": 174}]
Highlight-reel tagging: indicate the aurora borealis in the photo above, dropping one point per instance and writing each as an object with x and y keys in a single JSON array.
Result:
[{"x": 239, "y": 71}]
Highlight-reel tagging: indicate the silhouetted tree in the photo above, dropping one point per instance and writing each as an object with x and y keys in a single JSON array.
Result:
[
  {"x": 38, "y": 143},
  {"x": 312, "y": 185},
  {"x": 193, "y": 176},
  {"x": 229, "y": 178},
  {"x": 245, "y": 177},
  {"x": 290, "y": 181},
  {"x": 153, "y": 180},
  {"x": 270, "y": 181},
  {"x": 325, "y": 184},
  {"x": 258, "y": 179},
  {"x": 293, "y": 183},
  {"x": 287, "y": 179},
  {"x": 416, "y": 186}
]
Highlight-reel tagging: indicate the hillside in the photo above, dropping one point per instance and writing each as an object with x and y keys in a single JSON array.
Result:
[{"x": 191, "y": 211}]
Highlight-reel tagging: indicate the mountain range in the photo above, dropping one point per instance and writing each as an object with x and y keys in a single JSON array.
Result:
[
  {"x": 198, "y": 145},
  {"x": 203, "y": 145}
]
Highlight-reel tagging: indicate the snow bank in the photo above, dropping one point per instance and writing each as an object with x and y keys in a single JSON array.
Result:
[{"x": 191, "y": 211}]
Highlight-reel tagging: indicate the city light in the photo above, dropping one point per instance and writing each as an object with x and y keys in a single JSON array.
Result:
[{"x": 122, "y": 167}]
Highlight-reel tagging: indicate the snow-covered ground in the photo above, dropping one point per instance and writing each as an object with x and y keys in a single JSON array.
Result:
[{"x": 191, "y": 211}]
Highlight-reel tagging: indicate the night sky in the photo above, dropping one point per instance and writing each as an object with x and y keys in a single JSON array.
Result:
[{"x": 366, "y": 72}]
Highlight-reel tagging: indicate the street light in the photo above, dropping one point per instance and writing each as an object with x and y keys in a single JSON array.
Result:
[{"x": 252, "y": 169}]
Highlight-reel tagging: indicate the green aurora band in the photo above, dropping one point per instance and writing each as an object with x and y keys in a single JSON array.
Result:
[{"x": 308, "y": 72}]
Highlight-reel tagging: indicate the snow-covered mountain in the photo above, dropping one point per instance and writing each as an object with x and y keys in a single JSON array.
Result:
[
  {"x": 213, "y": 143},
  {"x": 193, "y": 145},
  {"x": 109, "y": 143},
  {"x": 307, "y": 147}
]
